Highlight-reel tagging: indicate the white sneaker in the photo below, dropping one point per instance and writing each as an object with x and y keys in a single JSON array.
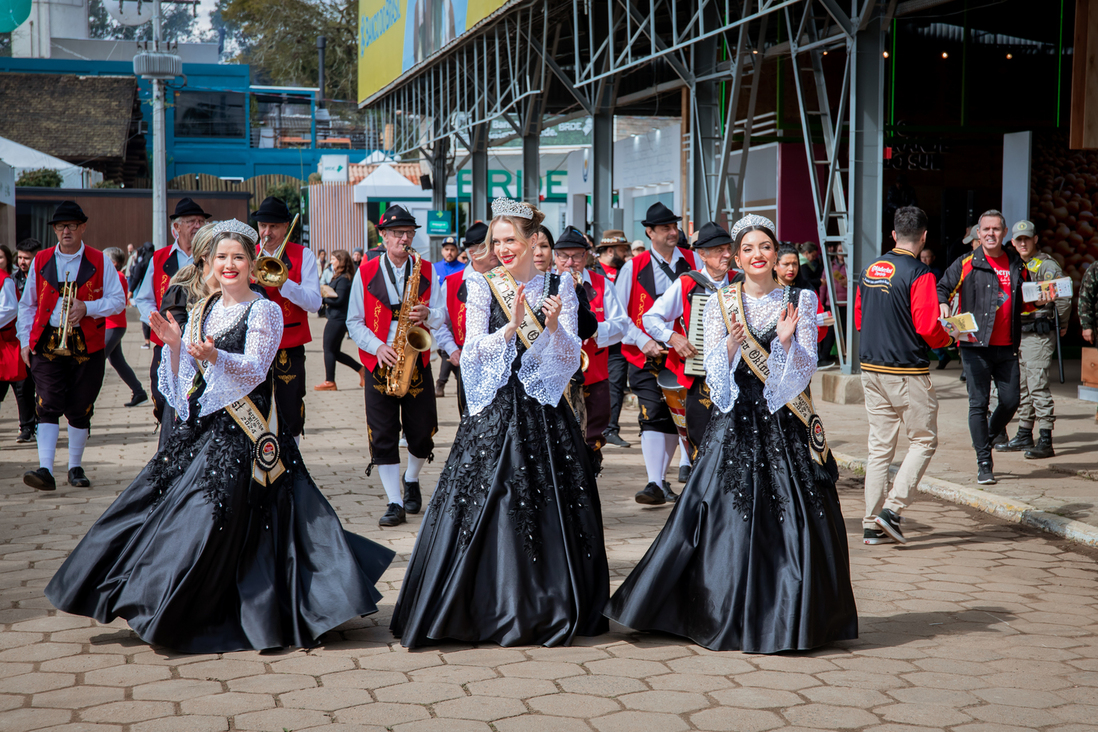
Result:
[{"x": 403, "y": 441}]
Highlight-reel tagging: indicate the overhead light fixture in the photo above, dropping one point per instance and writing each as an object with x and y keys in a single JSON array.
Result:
[
  {"x": 886, "y": 54},
  {"x": 1010, "y": 56},
  {"x": 945, "y": 54}
]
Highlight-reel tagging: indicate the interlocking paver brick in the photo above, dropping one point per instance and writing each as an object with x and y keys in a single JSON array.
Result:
[
  {"x": 132, "y": 674},
  {"x": 689, "y": 682},
  {"x": 419, "y": 693},
  {"x": 634, "y": 668},
  {"x": 540, "y": 723},
  {"x": 33, "y": 683},
  {"x": 77, "y": 697},
  {"x": 453, "y": 674},
  {"x": 927, "y": 715},
  {"x": 599, "y": 685},
  {"x": 228, "y": 704},
  {"x": 127, "y": 712},
  {"x": 310, "y": 665},
  {"x": 543, "y": 669},
  {"x": 26, "y": 719},
  {"x": 328, "y": 699},
  {"x": 272, "y": 683},
  {"x": 726, "y": 719},
  {"x": 633, "y": 721},
  {"x": 279, "y": 719},
  {"x": 191, "y": 723},
  {"x": 381, "y": 713},
  {"x": 443, "y": 725},
  {"x": 78, "y": 664},
  {"x": 827, "y": 716},
  {"x": 482, "y": 708},
  {"x": 574, "y": 705},
  {"x": 221, "y": 670},
  {"x": 514, "y": 688},
  {"x": 363, "y": 679},
  {"x": 675, "y": 702}
]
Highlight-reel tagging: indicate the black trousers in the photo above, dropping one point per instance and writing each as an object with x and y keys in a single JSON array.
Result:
[
  {"x": 699, "y": 409},
  {"x": 154, "y": 382},
  {"x": 117, "y": 360},
  {"x": 596, "y": 399},
  {"x": 444, "y": 368},
  {"x": 334, "y": 333},
  {"x": 618, "y": 369},
  {"x": 146, "y": 331},
  {"x": 289, "y": 368},
  {"x": 415, "y": 414},
  {"x": 24, "y": 400},
  {"x": 654, "y": 414},
  {"x": 984, "y": 364},
  {"x": 68, "y": 386}
]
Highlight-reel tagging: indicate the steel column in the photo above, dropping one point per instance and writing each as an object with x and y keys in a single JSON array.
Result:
[
  {"x": 478, "y": 209},
  {"x": 705, "y": 138},
  {"x": 531, "y": 154},
  {"x": 602, "y": 179}
]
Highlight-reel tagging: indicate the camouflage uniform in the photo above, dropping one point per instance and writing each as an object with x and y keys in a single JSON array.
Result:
[
  {"x": 1037, "y": 349},
  {"x": 1088, "y": 299}
]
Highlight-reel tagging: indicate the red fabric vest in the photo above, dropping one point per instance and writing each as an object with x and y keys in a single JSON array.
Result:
[
  {"x": 12, "y": 367},
  {"x": 161, "y": 280},
  {"x": 597, "y": 358},
  {"x": 94, "y": 329},
  {"x": 674, "y": 360},
  {"x": 295, "y": 321},
  {"x": 456, "y": 307},
  {"x": 118, "y": 320},
  {"x": 377, "y": 312},
  {"x": 640, "y": 300}
]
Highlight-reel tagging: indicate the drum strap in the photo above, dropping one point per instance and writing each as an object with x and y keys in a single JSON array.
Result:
[
  {"x": 756, "y": 356},
  {"x": 267, "y": 466}
]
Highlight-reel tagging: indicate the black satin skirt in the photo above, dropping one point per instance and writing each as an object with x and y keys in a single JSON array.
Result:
[
  {"x": 511, "y": 547},
  {"x": 197, "y": 557},
  {"x": 754, "y": 554}
]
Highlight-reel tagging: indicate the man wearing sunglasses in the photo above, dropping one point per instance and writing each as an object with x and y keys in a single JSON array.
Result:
[{"x": 67, "y": 363}]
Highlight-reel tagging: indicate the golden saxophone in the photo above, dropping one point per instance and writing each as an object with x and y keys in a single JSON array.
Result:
[
  {"x": 62, "y": 348},
  {"x": 410, "y": 340},
  {"x": 585, "y": 360}
]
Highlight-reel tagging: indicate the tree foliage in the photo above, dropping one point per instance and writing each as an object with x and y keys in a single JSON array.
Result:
[
  {"x": 279, "y": 41},
  {"x": 290, "y": 193},
  {"x": 39, "y": 178},
  {"x": 178, "y": 24}
]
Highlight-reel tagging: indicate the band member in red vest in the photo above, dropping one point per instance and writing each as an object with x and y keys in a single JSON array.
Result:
[
  {"x": 13, "y": 372},
  {"x": 613, "y": 252},
  {"x": 298, "y": 296},
  {"x": 380, "y": 288},
  {"x": 186, "y": 221},
  {"x": 671, "y": 317},
  {"x": 570, "y": 255},
  {"x": 67, "y": 379},
  {"x": 640, "y": 282},
  {"x": 451, "y": 336}
]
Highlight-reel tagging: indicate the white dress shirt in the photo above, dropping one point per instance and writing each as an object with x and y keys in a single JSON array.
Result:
[
  {"x": 624, "y": 286},
  {"x": 145, "y": 298},
  {"x": 356, "y": 315},
  {"x": 615, "y": 323},
  {"x": 660, "y": 319},
  {"x": 444, "y": 334},
  {"x": 304, "y": 294},
  {"x": 113, "y": 299},
  {"x": 9, "y": 303}
]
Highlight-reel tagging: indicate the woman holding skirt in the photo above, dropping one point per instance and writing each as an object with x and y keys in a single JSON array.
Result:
[
  {"x": 754, "y": 555},
  {"x": 511, "y": 547}
]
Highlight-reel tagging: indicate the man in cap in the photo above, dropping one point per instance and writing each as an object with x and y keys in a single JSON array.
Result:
[
  {"x": 450, "y": 336},
  {"x": 670, "y": 320},
  {"x": 1035, "y": 353},
  {"x": 613, "y": 252},
  {"x": 570, "y": 255},
  {"x": 67, "y": 378},
  {"x": 186, "y": 221},
  {"x": 356, "y": 256},
  {"x": 298, "y": 296},
  {"x": 640, "y": 282},
  {"x": 378, "y": 291},
  {"x": 448, "y": 266}
]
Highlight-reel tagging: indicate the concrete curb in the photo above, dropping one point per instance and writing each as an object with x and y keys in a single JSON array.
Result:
[{"x": 1005, "y": 508}]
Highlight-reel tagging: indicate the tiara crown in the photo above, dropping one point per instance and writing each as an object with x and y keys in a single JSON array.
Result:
[
  {"x": 236, "y": 227},
  {"x": 506, "y": 207},
  {"x": 751, "y": 220}
]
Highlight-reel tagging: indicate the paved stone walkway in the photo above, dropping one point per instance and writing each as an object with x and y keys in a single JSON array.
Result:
[{"x": 974, "y": 626}]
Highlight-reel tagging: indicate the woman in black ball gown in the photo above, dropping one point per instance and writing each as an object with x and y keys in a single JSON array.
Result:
[
  {"x": 511, "y": 547},
  {"x": 218, "y": 546},
  {"x": 754, "y": 555}
]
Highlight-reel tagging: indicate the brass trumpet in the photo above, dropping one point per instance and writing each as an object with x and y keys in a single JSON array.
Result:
[
  {"x": 62, "y": 348},
  {"x": 270, "y": 269}
]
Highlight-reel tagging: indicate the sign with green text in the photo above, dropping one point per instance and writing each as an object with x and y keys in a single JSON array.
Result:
[{"x": 440, "y": 223}]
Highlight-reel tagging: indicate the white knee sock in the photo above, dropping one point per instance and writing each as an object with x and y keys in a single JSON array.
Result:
[
  {"x": 656, "y": 457},
  {"x": 411, "y": 475},
  {"x": 684, "y": 453},
  {"x": 77, "y": 439},
  {"x": 390, "y": 481},
  {"x": 47, "y": 444}
]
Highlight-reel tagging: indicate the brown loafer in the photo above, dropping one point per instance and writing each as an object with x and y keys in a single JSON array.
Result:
[{"x": 325, "y": 386}]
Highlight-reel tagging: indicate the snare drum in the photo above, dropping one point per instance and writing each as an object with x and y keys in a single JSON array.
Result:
[{"x": 674, "y": 394}]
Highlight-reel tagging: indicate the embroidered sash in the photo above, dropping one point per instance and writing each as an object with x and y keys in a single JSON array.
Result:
[
  {"x": 262, "y": 431},
  {"x": 505, "y": 289},
  {"x": 755, "y": 356}
]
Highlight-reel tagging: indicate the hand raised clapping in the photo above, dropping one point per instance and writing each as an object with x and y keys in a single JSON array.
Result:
[
  {"x": 204, "y": 351},
  {"x": 787, "y": 325}
]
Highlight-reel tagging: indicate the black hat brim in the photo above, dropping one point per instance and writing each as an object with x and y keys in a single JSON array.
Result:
[
  {"x": 55, "y": 220},
  {"x": 660, "y": 222}
]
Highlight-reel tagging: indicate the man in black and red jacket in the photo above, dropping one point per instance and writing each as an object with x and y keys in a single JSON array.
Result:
[
  {"x": 988, "y": 284},
  {"x": 896, "y": 312}
]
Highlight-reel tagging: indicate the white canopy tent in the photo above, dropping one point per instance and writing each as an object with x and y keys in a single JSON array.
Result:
[
  {"x": 386, "y": 184},
  {"x": 23, "y": 158}
]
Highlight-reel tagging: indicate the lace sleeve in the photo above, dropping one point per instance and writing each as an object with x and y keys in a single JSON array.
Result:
[
  {"x": 486, "y": 358},
  {"x": 174, "y": 387},
  {"x": 791, "y": 372},
  {"x": 236, "y": 374},
  {"x": 720, "y": 374},
  {"x": 549, "y": 364}
]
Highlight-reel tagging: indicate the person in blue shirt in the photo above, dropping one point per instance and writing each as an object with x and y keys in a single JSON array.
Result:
[{"x": 449, "y": 264}]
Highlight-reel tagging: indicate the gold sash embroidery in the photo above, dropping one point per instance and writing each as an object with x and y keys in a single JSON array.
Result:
[
  {"x": 755, "y": 356},
  {"x": 263, "y": 432},
  {"x": 505, "y": 289}
]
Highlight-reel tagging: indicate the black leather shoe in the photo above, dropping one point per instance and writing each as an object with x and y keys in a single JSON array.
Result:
[
  {"x": 413, "y": 499},
  {"x": 77, "y": 479},
  {"x": 1000, "y": 439},
  {"x": 393, "y": 517},
  {"x": 138, "y": 400},
  {"x": 26, "y": 435},
  {"x": 669, "y": 494},
  {"x": 613, "y": 438},
  {"x": 652, "y": 495},
  {"x": 1043, "y": 448},
  {"x": 684, "y": 473},
  {"x": 40, "y": 479},
  {"x": 1021, "y": 441}
]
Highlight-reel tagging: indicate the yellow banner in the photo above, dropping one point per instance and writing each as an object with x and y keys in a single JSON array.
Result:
[{"x": 396, "y": 35}]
